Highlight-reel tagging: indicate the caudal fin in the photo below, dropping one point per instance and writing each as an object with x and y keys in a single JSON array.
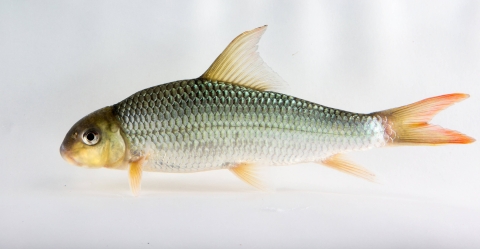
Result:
[{"x": 408, "y": 125}]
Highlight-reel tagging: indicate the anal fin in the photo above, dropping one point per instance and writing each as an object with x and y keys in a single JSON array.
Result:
[
  {"x": 249, "y": 173},
  {"x": 340, "y": 163},
  {"x": 135, "y": 176}
]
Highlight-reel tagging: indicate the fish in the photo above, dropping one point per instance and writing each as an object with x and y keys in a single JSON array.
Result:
[{"x": 231, "y": 118}]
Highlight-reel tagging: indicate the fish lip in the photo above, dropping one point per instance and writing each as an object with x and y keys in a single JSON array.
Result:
[{"x": 67, "y": 157}]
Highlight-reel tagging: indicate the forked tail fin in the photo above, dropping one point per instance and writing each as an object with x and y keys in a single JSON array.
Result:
[{"x": 408, "y": 125}]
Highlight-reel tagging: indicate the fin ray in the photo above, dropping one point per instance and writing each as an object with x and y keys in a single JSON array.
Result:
[
  {"x": 248, "y": 173},
  {"x": 340, "y": 163},
  {"x": 135, "y": 176},
  {"x": 408, "y": 125},
  {"x": 241, "y": 64}
]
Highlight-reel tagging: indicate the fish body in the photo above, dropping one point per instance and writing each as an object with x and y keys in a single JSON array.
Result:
[
  {"x": 229, "y": 118},
  {"x": 197, "y": 125}
]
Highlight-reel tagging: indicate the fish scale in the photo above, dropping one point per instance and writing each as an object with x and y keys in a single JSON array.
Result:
[{"x": 196, "y": 125}]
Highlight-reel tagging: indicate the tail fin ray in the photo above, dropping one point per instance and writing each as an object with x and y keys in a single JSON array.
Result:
[{"x": 409, "y": 124}]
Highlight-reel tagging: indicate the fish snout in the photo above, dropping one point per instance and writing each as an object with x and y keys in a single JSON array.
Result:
[{"x": 66, "y": 155}]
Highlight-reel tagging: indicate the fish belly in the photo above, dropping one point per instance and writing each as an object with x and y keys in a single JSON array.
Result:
[{"x": 198, "y": 125}]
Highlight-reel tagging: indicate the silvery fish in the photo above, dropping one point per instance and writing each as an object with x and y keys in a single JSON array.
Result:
[{"x": 229, "y": 118}]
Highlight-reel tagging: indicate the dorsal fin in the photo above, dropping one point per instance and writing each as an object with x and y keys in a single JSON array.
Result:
[{"x": 241, "y": 64}]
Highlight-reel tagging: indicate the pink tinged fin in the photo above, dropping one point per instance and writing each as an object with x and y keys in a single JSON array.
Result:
[
  {"x": 340, "y": 163},
  {"x": 409, "y": 124},
  {"x": 135, "y": 176},
  {"x": 249, "y": 173},
  {"x": 241, "y": 64}
]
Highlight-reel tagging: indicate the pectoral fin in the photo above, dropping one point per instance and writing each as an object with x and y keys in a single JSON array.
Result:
[
  {"x": 249, "y": 173},
  {"x": 135, "y": 176},
  {"x": 340, "y": 163}
]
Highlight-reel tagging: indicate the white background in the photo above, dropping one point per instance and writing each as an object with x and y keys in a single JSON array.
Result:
[{"x": 60, "y": 60}]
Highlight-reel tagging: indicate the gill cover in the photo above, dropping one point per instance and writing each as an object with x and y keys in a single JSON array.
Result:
[{"x": 95, "y": 141}]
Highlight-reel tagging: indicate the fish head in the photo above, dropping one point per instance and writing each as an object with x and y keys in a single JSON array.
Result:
[{"x": 95, "y": 141}]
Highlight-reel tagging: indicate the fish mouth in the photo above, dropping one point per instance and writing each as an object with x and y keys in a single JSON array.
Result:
[{"x": 67, "y": 157}]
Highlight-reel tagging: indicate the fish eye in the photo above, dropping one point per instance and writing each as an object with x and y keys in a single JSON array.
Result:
[{"x": 91, "y": 137}]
